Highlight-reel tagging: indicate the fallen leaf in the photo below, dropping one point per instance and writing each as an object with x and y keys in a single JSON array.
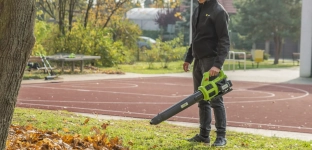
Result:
[
  {"x": 130, "y": 143},
  {"x": 66, "y": 130},
  {"x": 104, "y": 126},
  {"x": 86, "y": 121}
]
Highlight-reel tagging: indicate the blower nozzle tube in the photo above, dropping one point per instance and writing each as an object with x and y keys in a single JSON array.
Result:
[{"x": 180, "y": 106}]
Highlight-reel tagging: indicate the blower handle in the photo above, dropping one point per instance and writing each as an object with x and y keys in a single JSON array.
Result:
[{"x": 209, "y": 88}]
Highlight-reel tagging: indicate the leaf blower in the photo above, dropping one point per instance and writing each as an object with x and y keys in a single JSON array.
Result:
[{"x": 208, "y": 90}]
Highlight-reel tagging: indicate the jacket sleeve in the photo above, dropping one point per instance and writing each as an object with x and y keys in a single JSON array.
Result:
[
  {"x": 189, "y": 57},
  {"x": 221, "y": 25}
]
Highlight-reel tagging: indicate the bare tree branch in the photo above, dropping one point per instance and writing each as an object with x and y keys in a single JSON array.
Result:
[
  {"x": 90, "y": 4},
  {"x": 117, "y": 6},
  {"x": 49, "y": 10}
]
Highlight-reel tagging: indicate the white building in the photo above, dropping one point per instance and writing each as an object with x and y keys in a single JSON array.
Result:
[
  {"x": 306, "y": 40},
  {"x": 144, "y": 17}
]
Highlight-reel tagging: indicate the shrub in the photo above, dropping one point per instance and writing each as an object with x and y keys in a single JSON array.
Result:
[{"x": 165, "y": 52}]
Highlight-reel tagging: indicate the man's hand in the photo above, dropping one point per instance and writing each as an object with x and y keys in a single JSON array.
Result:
[
  {"x": 186, "y": 66},
  {"x": 214, "y": 71}
]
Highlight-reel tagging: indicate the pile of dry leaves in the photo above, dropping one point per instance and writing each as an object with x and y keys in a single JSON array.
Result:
[
  {"x": 28, "y": 137},
  {"x": 113, "y": 72}
]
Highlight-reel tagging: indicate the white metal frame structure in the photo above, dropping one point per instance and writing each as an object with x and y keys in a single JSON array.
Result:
[{"x": 231, "y": 59}]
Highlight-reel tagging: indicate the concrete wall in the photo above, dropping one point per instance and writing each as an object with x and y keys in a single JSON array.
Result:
[{"x": 306, "y": 40}]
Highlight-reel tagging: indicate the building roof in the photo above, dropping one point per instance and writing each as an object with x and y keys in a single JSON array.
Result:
[
  {"x": 144, "y": 17},
  {"x": 143, "y": 13},
  {"x": 151, "y": 13},
  {"x": 228, "y": 6}
]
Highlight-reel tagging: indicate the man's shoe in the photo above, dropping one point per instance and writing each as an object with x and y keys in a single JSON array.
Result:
[
  {"x": 220, "y": 141},
  {"x": 199, "y": 138}
]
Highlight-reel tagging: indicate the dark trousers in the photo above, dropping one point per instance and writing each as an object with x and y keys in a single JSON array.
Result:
[{"x": 200, "y": 67}]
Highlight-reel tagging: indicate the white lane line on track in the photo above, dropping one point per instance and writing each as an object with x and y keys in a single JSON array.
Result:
[
  {"x": 81, "y": 90},
  {"x": 268, "y": 93},
  {"x": 126, "y": 85},
  {"x": 305, "y": 93},
  {"x": 114, "y": 92},
  {"x": 144, "y": 82},
  {"x": 121, "y": 102}
]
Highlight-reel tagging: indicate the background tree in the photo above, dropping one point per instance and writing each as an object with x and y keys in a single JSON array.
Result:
[
  {"x": 89, "y": 6},
  {"x": 268, "y": 20},
  {"x": 72, "y": 5},
  {"x": 184, "y": 24},
  {"x": 88, "y": 36},
  {"x": 16, "y": 40},
  {"x": 110, "y": 8},
  {"x": 42, "y": 30},
  {"x": 158, "y": 4},
  {"x": 63, "y": 11},
  {"x": 164, "y": 18},
  {"x": 48, "y": 7}
]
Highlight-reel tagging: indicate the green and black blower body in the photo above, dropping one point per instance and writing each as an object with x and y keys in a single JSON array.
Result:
[{"x": 209, "y": 90}]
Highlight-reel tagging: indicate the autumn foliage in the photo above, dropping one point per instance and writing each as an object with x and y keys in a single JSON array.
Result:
[
  {"x": 28, "y": 137},
  {"x": 169, "y": 16}
]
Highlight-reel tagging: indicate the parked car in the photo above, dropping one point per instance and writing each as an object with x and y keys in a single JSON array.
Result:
[{"x": 145, "y": 42}]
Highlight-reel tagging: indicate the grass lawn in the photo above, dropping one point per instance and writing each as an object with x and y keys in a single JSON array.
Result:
[
  {"x": 156, "y": 68},
  {"x": 139, "y": 135},
  {"x": 176, "y": 67}
]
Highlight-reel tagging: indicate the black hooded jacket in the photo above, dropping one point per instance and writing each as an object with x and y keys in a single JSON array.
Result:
[{"x": 210, "y": 37}]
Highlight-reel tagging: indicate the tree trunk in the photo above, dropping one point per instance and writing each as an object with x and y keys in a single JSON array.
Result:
[
  {"x": 62, "y": 11},
  {"x": 72, "y": 4},
  {"x": 17, "y": 39},
  {"x": 89, "y": 6},
  {"x": 98, "y": 4},
  {"x": 278, "y": 47}
]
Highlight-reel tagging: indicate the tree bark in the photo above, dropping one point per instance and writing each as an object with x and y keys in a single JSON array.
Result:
[
  {"x": 72, "y": 4},
  {"x": 62, "y": 11},
  {"x": 278, "y": 47},
  {"x": 89, "y": 6},
  {"x": 17, "y": 18},
  {"x": 98, "y": 4}
]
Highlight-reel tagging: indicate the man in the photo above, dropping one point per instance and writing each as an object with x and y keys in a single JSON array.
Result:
[{"x": 209, "y": 47}]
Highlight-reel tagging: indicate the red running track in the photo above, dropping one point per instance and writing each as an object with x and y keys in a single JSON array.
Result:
[{"x": 284, "y": 107}]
